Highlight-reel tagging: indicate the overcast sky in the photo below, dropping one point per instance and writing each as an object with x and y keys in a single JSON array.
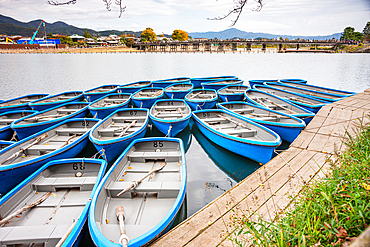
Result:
[{"x": 285, "y": 17}]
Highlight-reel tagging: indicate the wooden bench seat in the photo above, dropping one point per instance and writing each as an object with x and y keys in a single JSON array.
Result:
[
  {"x": 168, "y": 107},
  {"x": 242, "y": 110},
  {"x": 164, "y": 189},
  {"x": 47, "y": 184},
  {"x": 41, "y": 149},
  {"x": 128, "y": 118},
  {"x": 241, "y": 132},
  {"x": 6, "y": 121},
  {"x": 72, "y": 131},
  {"x": 67, "y": 111},
  {"x": 50, "y": 234},
  {"x": 169, "y": 156}
]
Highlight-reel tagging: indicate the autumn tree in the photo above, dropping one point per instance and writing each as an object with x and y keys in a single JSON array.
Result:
[
  {"x": 130, "y": 41},
  {"x": 148, "y": 34},
  {"x": 179, "y": 35}
]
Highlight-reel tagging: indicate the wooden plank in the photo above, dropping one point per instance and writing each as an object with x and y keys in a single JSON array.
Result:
[
  {"x": 340, "y": 113},
  {"x": 324, "y": 111},
  {"x": 318, "y": 142},
  {"x": 315, "y": 123},
  {"x": 303, "y": 140},
  {"x": 327, "y": 126},
  {"x": 339, "y": 129}
]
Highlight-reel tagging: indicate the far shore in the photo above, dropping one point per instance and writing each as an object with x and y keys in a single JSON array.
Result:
[{"x": 124, "y": 49}]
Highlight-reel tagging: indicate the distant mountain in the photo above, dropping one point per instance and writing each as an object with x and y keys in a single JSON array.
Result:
[
  {"x": 235, "y": 33},
  {"x": 10, "y": 26}
]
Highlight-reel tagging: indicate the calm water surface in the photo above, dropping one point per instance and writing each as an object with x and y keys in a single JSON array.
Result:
[{"x": 212, "y": 170}]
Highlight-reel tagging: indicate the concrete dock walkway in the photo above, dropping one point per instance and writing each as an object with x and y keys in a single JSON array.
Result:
[{"x": 269, "y": 191}]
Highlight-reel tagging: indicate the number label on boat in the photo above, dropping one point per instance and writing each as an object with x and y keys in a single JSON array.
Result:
[
  {"x": 86, "y": 124},
  {"x": 170, "y": 103},
  {"x": 133, "y": 112},
  {"x": 206, "y": 114},
  {"x": 157, "y": 144},
  {"x": 78, "y": 166}
]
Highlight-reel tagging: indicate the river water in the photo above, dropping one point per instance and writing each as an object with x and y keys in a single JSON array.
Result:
[{"x": 212, "y": 170}]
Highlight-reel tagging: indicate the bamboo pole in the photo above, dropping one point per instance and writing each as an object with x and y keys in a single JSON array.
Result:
[
  {"x": 127, "y": 128},
  {"x": 135, "y": 183},
  {"x": 39, "y": 139},
  {"x": 66, "y": 234},
  {"x": 179, "y": 110},
  {"x": 25, "y": 208},
  {"x": 123, "y": 239}
]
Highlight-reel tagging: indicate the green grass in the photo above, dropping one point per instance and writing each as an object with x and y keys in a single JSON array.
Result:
[{"x": 327, "y": 212}]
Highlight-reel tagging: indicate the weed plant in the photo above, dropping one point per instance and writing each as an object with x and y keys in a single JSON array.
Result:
[{"x": 327, "y": 212}]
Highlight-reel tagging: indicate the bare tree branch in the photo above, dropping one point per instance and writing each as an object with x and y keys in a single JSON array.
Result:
[
  {"x": 108, "y": 4},
  {"x": 56, "y": 3},
  {"x": 238, "y": 9},
  {"x": 121, "y": 8}
]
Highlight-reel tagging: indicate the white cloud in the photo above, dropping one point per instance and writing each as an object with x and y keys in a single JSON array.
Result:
[{"x": 304, "y": 17}]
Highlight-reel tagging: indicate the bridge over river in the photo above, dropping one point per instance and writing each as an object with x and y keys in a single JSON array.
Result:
[{"x": 221, "y": 46}]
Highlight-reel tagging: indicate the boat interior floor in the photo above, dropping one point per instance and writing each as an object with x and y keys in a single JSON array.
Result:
[
  {"x": 50, "y": 220},
  {"x": 150, "y": 201}
]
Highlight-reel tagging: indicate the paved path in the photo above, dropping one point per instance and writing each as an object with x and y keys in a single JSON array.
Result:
[{"x": 267, "y": 191}]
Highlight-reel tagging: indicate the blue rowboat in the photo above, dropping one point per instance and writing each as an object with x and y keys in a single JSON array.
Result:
[
  {"x": 96, "y": 93},
  {"x": 41, "y": 120},
  {"x": 68, "y": 186},
  {"x": 197, "y": 82},
  {"x": 237, "y": 134},
  {"x": 286, "y": 126},
  {"x": 19, "y": 103},
  {"x": 199, "y": 99},
  {"x": 329, "y": 91},
  {"x": 145, "y": 98},
  {"x": 151, "y": 206},
  {"x": 311, "y": 104},
  {"x": 64, "y": 140},
  {"x": 178, "y": 91},
  {"x": 115, "y": 132},
  {"x": 6, "y": 133},
  {"x": 104, "y": 106},
  {"x": 133, "y": 87},
  {"x": 305, "y": 92},
  {"x": 260, "y": 82},
  {"x": 232, "y": 93},
  {"x": 167, "y": 82},
  {"x": 218, "y": 84},
  {"x": 276, "y": 103},
  {"x": 294, "y": 80},
  {"x": 170, "y": 116},
  {"x": 55, "y": 100}
]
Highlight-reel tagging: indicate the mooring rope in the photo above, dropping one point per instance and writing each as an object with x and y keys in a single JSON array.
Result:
[{"x": 169, "y": 130}]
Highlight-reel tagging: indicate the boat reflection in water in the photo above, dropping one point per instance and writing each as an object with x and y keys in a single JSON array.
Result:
[{"x": 235, "y": 166}]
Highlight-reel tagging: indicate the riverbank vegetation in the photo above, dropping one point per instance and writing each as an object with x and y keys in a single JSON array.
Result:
[{"x": 328, "y": 212}]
